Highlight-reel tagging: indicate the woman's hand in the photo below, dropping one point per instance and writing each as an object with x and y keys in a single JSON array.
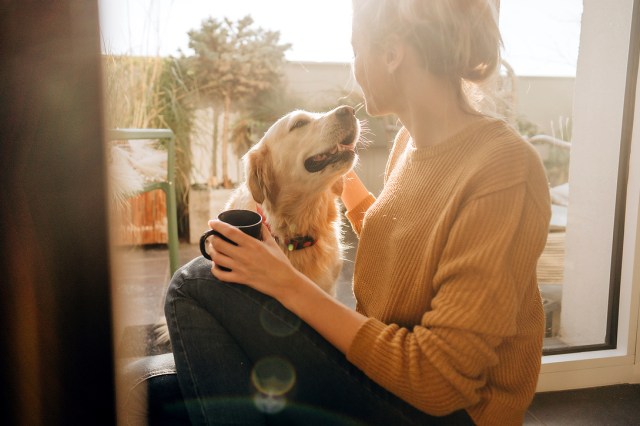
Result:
[
  {"x": 353, "y": 190},
  {"x": 259, "y": 264},
  {"x": 263, "y": 266}
]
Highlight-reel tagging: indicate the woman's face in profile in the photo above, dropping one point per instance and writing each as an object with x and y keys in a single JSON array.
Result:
[{"x": 370, "y": 73}]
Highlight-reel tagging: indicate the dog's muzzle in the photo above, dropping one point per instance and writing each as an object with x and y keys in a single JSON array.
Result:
[{"x": 343, "y": 151}]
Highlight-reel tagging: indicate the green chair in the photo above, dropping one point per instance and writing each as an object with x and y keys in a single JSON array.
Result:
[{"x": 168, "y": 186}]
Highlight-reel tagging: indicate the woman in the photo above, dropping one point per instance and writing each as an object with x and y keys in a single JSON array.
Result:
[{"x": 449, "y": 323}]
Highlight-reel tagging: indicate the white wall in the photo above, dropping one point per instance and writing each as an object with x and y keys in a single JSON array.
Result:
[
  {"x": 202, "y": 146},
  {"x": 545, "y": 101},
  {"x": 320, "y": 82}
]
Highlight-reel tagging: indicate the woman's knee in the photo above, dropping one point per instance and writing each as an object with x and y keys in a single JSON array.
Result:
[{"x": 198, "y": 269}]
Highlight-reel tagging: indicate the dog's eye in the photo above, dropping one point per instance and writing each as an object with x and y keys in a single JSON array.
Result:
[{"x": 299, "y": 124}]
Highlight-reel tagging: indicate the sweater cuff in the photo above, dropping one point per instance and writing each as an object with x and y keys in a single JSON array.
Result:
[
  {"x": 356, "y": 214},
  {"x": 360, "y": 349}
]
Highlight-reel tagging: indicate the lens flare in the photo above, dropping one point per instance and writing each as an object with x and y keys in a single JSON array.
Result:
[
  {"x": 275, "y": 325},
  {"x": 273, "y": 376},
  {"x": 269, "y": 404}
]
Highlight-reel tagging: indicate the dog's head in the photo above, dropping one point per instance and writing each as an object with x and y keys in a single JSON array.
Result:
[{"x": 303, "y": 152}]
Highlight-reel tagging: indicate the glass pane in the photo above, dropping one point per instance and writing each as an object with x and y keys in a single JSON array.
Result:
[
  {"x": 571, "y": 108},
  {"x": 541, "y": 40}
]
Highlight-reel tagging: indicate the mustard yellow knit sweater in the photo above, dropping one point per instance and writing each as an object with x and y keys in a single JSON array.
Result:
[{"x": 446, "y": 272}]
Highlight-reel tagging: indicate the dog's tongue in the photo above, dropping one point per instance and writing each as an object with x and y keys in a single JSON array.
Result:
[{"x": 323, "y": 156}]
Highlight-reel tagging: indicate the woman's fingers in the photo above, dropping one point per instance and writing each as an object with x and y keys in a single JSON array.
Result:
[
  {"x": 219, "y": 258},
  {"x": 231, "y": 232},
  {"x": 228, "y": 255},
  {"x": 248, "y": 258}
]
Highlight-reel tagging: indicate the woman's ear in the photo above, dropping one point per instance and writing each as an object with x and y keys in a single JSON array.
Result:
[{"x": 394, "y": 53}]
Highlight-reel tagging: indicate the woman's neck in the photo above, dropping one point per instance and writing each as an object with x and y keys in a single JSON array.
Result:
[
  {"x": 434, "y": 113},
  {"x": 427, "y": 132}
]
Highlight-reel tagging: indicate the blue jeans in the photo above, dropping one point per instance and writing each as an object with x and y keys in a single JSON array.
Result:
[{"x": 243, "y": 359}]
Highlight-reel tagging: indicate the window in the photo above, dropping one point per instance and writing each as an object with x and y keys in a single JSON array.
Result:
[
  {"x": 580, "y": 270},
  {"x": 541, "y": 40},
  {"x": 593, "y": 308}
]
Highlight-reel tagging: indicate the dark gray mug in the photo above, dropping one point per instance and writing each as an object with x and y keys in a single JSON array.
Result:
[{"x": 247, "y": 221}]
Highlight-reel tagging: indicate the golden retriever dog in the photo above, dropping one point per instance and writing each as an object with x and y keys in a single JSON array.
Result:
[{"x": 293, "y": 179}]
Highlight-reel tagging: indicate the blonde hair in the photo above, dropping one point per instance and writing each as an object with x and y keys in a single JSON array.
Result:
[{"x": 455, "y": 39}]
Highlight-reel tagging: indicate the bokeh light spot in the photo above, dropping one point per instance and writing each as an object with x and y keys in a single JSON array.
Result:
[
  {"x": 275, "y": 325},
  {"x": 273, "y": 376}
]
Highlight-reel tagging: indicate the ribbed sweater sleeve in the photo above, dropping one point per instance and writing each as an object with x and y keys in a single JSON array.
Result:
[
  {"x": 356, "y": 214},
  {"x": 446, "y": 272}
]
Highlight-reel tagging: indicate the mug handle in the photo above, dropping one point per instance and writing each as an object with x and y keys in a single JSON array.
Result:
[{"x": 203, "y": 242}]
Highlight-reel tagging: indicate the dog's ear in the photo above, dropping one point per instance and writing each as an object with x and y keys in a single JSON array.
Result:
[
  {"x": 337, "y": 186},
  {"x": 260, "y": 175}
]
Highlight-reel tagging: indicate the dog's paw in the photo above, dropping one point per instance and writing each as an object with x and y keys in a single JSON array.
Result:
[{"x": 161, "y": 333}]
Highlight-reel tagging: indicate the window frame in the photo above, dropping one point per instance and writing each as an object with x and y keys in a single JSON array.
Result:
[{"x": 617, "y": 359}]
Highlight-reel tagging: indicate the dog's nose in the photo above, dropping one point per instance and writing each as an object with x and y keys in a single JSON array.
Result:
[{"x": 345, "y": 111}]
